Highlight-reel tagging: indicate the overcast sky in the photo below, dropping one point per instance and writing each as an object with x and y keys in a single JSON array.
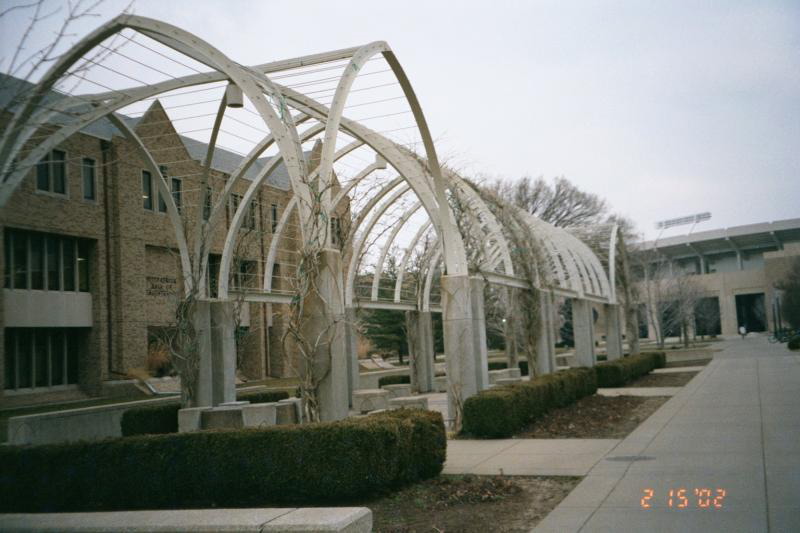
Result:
[{"x": 664, "y": 108}]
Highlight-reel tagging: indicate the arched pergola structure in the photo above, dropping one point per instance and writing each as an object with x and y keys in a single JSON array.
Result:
[{"x": 465, "y": 243}]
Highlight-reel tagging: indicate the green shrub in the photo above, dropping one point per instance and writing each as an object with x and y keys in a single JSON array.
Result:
[
  {"x": 523, "y": 367},
  {"x": 794, "y": 343},
  {"x": 150, "y": 420},
  {"x": 497, "y": 365},
  {"x": 164, "y": 418},
  {"x": 620, "y": 371},
  {"x": 281, "y": 465},
  {"x": 394, "y": 380},
  {"x": 501, "y": 411}
]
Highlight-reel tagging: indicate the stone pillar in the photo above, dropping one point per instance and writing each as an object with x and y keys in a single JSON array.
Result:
[
  {"x": 613, "y": 332},
  {"x": 223, "y": 352},
  {"x": 203, "y": 396},
  {"x": 421, "y": 348},
  {"x": 459, "y": 343},
  {"x": 351, "y": 351},
  {"x": 583, "y": 330},
  {"x": 545, "y": 346},
  {"x": 479, "y": 333},
  {"x": 324, "y": 319}
]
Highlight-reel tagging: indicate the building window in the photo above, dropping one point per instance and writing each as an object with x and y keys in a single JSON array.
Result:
[
  {"x": 249, "y": 220},
  {"x": 40, "y": 261},
  {"x": 273, "y": 213},
  {"x": 245, "y": 275},
  {"x": 41, "y": 357},
  {"x": 207, "y": 203},
  {"x": 212, "y": 275},
  {"x": 147, "y": 190},
  {"x": 176, "y": 192},
  {"x": 162, "y": 205},
  {"x": 51, "y": 173},
  {"x": 89, "y": 183},
  {"x": 276, "y": 277}
]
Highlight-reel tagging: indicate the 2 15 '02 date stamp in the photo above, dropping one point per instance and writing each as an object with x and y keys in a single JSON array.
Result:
[{"x": 683, "y": 498}]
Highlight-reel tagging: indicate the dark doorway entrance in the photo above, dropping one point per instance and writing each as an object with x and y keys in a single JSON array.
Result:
[{"x": 750, "y": 312}]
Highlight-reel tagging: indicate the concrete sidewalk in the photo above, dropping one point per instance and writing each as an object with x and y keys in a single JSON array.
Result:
[
  {"x": 526, "y": 457},
  {"x": 733, "y": 431}
]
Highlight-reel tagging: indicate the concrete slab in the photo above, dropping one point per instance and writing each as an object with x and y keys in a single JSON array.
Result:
[
  {"x": 342, "y": 519},
  {"x": 733, "y": 428},
  {"x": 526, "y": 457},
  {"x": 677, "y": 369},
  {"x": 640, "y": 391}
]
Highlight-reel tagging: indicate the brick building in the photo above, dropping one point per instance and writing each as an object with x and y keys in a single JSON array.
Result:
[{"x": 91, "y": 273}]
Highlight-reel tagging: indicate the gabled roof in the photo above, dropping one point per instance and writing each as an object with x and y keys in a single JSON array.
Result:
[{"x": 224, "y": 160}]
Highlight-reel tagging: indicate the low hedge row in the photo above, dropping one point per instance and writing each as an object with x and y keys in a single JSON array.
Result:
[
  {"x": 394, "y": 380},
  {"x": 295, "y": 464},
  {"x": 161, "y": 419},
  {"x": 501, "y": 411},
  {"x": 618, "y": 372}
]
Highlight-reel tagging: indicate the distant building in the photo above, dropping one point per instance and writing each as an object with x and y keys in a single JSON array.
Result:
[{"x": 737, "y": 270}]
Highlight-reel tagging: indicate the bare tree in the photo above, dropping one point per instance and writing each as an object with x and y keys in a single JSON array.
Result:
[{"x": 560, "y": 203}]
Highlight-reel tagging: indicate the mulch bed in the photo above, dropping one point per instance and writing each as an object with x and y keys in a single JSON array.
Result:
[
  {"x": 470, "y": 504},
  {"x": 677, "y": 379},
  {"x": 594, "y": 417}
]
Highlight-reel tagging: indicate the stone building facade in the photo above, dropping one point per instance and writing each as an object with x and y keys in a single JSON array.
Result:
[{"x": 90, "y": 266}]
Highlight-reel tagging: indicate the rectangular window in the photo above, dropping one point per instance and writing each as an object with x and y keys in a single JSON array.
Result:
[
  {"x": 162, "y": 205},
  {"x": 41, "y": 357},
  {"x": 37, "y": 261},
  {"x": 89, "y": 192},
  {"x": 53, "y": 263},
  {"x": 276, "y": 276},
  {"x": 43, "y": 174},
  {"x": 212, "y": 276},
  {"x": 42, "y": 261},
  {"x": 176, "y": 192},
  {"x": 19, "y": 251},
  {"x": 51, "y": 173},
  {"x": 147, "y": 190},
  {"x": 7, "y": 256},
  {"x": 207, "y": 203},
  {"x": 246, "y": 274},
  {"x": 83, "y": 266},
  {"x": 273, "y": 210},
  {"x": 68, "y": 254},
  {"x": 336, "y": 232}
]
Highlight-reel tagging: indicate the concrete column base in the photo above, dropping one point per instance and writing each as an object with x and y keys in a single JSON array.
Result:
[
  {"x": 421, "y": 348},
  {"x": 479, "y": 333},
  {"x": 324, "y": 325},
  {"x": 545, "y": 346},
  {"x": 459, "y": 344},
  {"x": 351, "y": 351},
  {"x": 583, "y": 330},
  {"x": 613, "y": 332}
]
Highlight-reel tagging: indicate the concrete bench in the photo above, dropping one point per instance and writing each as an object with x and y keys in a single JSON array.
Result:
[
  {"x": 440, "y": 384},
  {"x": 260, "y": 414},
  {"x": 367, "y": 400},
  {"x": 398, "y": 390},
  {"x": 340, "y": 519},
  {"x": 507, "y": 381},
  {"x": 504, "y": 373},
  {"x": 409, "y": 402}
]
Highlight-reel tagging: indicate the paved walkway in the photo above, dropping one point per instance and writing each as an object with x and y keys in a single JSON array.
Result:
[
  {"x": 733, "y": 431},
  {"x": 526, "y": 457}
]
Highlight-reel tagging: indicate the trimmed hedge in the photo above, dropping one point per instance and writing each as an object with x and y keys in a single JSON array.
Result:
[
  {"x": 296, "y": 464},
  {"x": 394, "y": 380},
  {"x": 620, "y": 371},
  {"x": 501, "y": 411},
  {"x": 162, "y": 419}
]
